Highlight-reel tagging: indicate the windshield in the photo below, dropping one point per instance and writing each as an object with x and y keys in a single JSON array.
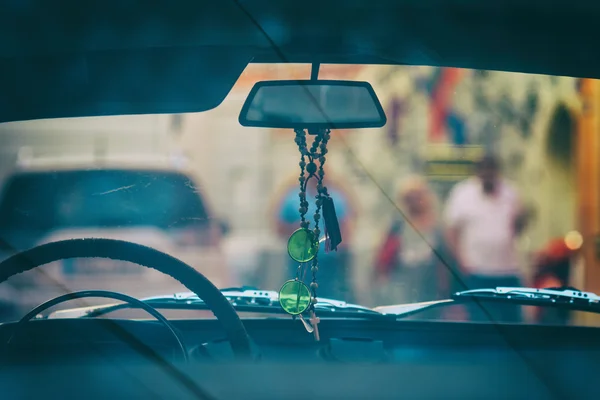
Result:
[{"x": 470, "y": 184}]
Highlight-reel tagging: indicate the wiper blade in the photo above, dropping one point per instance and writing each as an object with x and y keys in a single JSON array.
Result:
[
  {"x": 560, "y": 298},
  {"x": 566, "y": 298},
  {"x": 247, "y": 300},
  {"x": 242, "y": 299}
]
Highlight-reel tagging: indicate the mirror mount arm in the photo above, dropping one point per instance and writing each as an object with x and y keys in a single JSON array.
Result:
[
  {"x": 314, "y": 72},
  {"x": 314, "y": 76}
]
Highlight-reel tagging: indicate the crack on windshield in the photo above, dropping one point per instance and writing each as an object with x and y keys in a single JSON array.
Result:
[
  {"x": 184, "y": 219},
  {"x": 191, "y": 185},
  {"x": 117, "y": 190}
]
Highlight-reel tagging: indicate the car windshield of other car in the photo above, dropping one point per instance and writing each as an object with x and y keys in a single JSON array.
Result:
[{"x": 45, "y": 201}]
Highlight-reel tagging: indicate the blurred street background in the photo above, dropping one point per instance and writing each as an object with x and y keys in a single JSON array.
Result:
[{"x": 440, "y": 121}]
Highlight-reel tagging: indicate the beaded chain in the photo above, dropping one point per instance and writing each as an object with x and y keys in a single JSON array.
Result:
[{"x": 315, "y": 155}]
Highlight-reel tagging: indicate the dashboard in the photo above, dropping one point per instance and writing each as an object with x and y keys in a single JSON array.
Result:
[{"x": 354, "y": 358}]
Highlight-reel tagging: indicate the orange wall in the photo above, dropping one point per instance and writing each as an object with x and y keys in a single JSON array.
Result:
[
  {"x": 259, "y": 72},
  {"x": 588, "y": 180}
]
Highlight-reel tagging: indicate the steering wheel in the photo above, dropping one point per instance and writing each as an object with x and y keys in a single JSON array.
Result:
[
  {"x": 147, "y": 257},
  {"x": 104, "y": 294}
]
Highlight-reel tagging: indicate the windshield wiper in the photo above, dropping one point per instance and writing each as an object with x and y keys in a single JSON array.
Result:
[
  {"x": 267, "y": 302},
  {"x": 242, "y": 299},
  {"x": 566, "y": 298},
  {"x": 559, "y": 298}
]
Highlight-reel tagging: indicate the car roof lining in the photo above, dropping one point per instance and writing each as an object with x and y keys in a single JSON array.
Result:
[{"x": 148, "y": 57}]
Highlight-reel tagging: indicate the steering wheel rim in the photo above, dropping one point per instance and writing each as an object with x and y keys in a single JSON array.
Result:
[
  {"x": 142, "y": 255},
  {"x": 107, "y": 294}
]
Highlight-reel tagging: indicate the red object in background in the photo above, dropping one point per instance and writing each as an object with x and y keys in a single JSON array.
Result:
[
  {"x": 549, "y": 281},
  {"x": 557, "y": 249},
  {"x": 552, "y": 270},
  {"x": 550, "y": 264},
  {"x": 387, "y": 255},
  {"x": 441, "y": 101}
]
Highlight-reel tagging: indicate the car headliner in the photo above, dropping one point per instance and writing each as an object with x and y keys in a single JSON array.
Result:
[{"x": 70, "y": 58}]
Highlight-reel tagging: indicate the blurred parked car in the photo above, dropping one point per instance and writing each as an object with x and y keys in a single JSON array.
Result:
[{"x": 153, "y": 201}]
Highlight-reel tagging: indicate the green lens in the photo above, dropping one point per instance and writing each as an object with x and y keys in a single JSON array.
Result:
[
  {"x": 302, "y": 246},
  {"x": 294, "y": 297}
]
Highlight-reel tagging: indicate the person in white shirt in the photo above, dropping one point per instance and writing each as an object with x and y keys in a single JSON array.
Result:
[{"x": 484, "y": 216}]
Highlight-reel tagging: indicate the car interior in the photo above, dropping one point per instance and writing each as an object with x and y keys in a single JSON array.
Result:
[{"x": 193, "y": 53}]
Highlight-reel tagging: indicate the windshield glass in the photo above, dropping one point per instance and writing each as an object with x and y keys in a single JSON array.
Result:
[{"x": 470, "y": 184}]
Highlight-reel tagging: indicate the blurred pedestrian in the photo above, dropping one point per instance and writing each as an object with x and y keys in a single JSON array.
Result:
[
  {"x": 484, "y": 216},
  {"x": 408, "y": 268}
]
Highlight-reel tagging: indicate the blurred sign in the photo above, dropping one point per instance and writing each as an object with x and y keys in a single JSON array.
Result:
[
  {"x": 452, "y": 152},
  {"x": 449, "y": 170},
  {"x": 446, "y": 165}
]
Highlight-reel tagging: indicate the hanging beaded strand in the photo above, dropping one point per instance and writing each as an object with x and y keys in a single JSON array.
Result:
[
  {"x": 303, "y": 181},
  {"x": 301, "y": 142},
  {"x": 317, "y": 152},
  {"x": 320, "y": 143}
]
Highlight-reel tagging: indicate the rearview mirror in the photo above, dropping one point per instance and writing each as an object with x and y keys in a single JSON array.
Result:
[{"x": 312, "y": 104}]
